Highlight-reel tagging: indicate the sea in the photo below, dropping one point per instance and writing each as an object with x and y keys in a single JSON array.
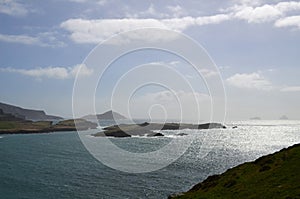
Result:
[{"x": 57, "y": 165}]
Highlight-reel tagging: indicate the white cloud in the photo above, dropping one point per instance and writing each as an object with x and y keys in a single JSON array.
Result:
[
  {"x": 257, "y": 12},
  {"x": 81, "y": 69},
  {"x": 23, "y": 39},
  {"x": 13, "y": 8},
  {"x": 248, "y": 2},
  {"x": 249, "y": 81},
  {"x": 95, "y": 31},
  {"x": 177, "y": 10},
  {"x": 149, "y": 13},
  {"x": 46, "y": 39},
  {"x": 99, "y": 2},
  {"x": 207, "y": 73},
  {"x": 261, "y": 14},
  {"x": 288, "y": 6},
  {"x": 52, "y": 72},
  {"x": 290, "y": 89},
  {"x": 288, "y": 21}
]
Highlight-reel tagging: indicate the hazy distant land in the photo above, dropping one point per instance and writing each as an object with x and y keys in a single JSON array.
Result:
[{"x": 16, "y": 120}]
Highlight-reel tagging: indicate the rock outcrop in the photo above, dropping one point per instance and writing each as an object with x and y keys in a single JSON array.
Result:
[{"x": 128, "y": 130}]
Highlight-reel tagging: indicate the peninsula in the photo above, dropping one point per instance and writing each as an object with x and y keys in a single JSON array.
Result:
[
  {"x": 13, "y": 121},
  {"x": 26, "y": 126}
]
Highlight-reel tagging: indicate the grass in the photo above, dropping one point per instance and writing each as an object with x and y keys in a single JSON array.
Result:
[
  {"x": 273, "y": 176},
  {"x": 43, "y": 126},
  {"x": 7, "y": 124},
  {"x": 17, "y": 125}
]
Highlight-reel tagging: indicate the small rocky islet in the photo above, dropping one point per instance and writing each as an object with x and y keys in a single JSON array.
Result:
[{"x": 148, "y": 129}]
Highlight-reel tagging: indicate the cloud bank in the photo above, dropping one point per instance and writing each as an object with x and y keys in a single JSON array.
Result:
[
  {"x": 94, "y": 31},
  {"x": 52, "y": 72},
  {"x": 249, "y": 81}
]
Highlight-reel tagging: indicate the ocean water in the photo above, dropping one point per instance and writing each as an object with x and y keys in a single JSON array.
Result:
[{"x": 57, "y": 165}]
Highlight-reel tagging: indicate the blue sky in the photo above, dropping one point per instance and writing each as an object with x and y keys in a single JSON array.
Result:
[{"x": 255, "y": 45}]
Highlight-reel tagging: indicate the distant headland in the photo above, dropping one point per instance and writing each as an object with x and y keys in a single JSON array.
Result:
[
  {"x": 27, "y": 114},
  {"x": 16, "y": 120},
  {"x": 109, "y": 115}
]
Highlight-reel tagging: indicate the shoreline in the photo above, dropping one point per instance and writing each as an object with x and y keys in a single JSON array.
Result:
[
  {"x": 30, "y": 127},
  {"x": 270, "y": 176}
]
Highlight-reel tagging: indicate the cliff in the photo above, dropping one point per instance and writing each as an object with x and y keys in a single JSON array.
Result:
[{"x": 27, "y": 114}]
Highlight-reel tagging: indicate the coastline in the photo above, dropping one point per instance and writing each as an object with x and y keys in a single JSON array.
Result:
[
  {"x": 270, "y": 176},
  {"x": 30, "y": 127}
]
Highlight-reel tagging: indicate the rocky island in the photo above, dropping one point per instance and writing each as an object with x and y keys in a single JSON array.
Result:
[
  {"x": 272, "y": 176},
  {"x": 128, "y": 130}
]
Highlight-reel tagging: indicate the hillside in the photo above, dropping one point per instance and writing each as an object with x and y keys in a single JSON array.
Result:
[
  {"x": 9, "y": 117},
  {"x": 109, "y": 115},
  {"x": 272, "y": 176},
  {"x": 25, "y": 126},
  {"x": 26, "y": 114}
]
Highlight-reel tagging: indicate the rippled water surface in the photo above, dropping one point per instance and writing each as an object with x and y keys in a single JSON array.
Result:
[{"x": 57, "y": 165}]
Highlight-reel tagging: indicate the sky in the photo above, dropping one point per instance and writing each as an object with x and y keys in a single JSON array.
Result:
[{"x": 254, "y": 44}]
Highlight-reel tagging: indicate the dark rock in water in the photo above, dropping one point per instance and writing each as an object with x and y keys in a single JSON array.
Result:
[
  {"x": 211, "y": 126},
  {"x": 181, "y": 134},
  {"x": 255, "y": 118},
  {"x": 156, "y": 135},
  {"x": 117, "y": 134},
  {"x": 144, "y": 124},
  {"x": 148, "y": 128},
  {"x": 234, "y": 127}
]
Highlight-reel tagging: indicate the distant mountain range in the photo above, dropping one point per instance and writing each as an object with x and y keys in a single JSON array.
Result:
[
  {"x": 109, "y": 115},
  {"x": 26, "y": 114}
]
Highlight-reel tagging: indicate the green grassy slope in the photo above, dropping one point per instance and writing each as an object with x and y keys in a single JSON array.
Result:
[
  {"x": 272, "y": 176},
  {"x": 24, "y": 126}
]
